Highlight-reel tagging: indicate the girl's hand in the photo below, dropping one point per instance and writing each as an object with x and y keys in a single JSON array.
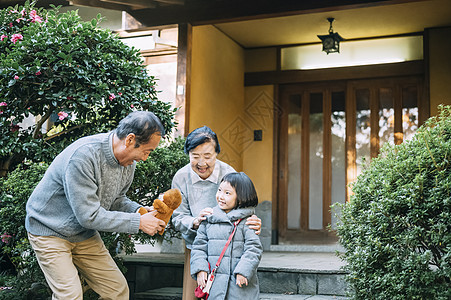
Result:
[
  {"x": 240, "y": 280},
  {"x": 202, "y": 216},
  {"x": 202, "y": 277},
  {"x": 255, "y": 223},
  {"x": 149, "y": 208}
]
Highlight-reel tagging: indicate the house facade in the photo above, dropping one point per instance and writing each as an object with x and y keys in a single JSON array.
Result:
[{"x": 301, "y": 123}]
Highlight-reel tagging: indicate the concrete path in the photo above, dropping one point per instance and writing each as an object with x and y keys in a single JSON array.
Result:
[
  {"x": 307, "y": 261},
  {"x": 299, "y": 297}
]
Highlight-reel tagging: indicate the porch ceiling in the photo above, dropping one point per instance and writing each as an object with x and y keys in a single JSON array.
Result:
[
  {"x": 352, "y": 23},
  {"x": 262, "y": 23}
]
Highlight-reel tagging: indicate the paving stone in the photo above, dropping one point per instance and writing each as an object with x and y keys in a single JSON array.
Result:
[
  {"x": 307, "y": 284},
  {"x": 331, "y": 284},
  {"x": 278, "y": 282},
  {"x": 167, "y": 293}
]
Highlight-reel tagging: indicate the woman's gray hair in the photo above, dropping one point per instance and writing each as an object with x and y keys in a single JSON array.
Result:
[
  {"x": 143, "y": 124},
  {"x": 200, "y": 136}
]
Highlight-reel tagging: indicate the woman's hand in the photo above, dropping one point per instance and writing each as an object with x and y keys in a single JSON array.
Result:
[
  {"x": 202, "y": 216},
  {"x": 255, "y": 223},
  {"x": 202, "y": 277},
  {"x": 241, "y": 280}
]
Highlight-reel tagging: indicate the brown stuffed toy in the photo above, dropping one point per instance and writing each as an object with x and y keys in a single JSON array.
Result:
[{"x": 171, "y": 200}]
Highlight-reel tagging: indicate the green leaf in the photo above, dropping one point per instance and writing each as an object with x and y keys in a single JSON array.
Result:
[{"x": 62, "y": 55}]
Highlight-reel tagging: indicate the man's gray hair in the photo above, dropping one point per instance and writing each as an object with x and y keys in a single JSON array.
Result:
[{"x": 141, "y": 123}]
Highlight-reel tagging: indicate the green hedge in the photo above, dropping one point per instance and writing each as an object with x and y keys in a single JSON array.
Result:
[{"x": 396, "y": 229}]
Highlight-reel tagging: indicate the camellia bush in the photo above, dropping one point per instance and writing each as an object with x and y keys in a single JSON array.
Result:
[
  {"x": 396, "y": 229},
  {"x": 73, "y": 77}
]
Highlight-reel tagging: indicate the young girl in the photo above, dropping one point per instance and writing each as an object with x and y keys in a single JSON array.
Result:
[{"x": 236, "y": 277}]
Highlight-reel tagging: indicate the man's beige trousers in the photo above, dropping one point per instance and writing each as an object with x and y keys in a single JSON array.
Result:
[{"x": 62, "y": 262}]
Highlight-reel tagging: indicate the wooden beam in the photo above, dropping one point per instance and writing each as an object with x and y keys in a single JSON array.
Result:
[
  {"x": 175, "y": 2},
  {"x": 305, "y": 159},
  {"x": 41, "y": 3},
  {"x": 282, "y": 176},
  {"x": 183, "y": 84},
  {"x": 200, "y": 12},
  {"x": 101, "y": 4},
  {"x": 351, "y": 152},
  {"x": 276, "y": 166},
  {"x": 134, "y": 4},
  {"x": 343, "y": 73},
  {"x": 397, "y": 108},
  {"x": 374, "y": 120},
  {"x": 327, "y": 158}
]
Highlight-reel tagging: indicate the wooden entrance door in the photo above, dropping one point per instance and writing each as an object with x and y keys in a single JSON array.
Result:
[
  {"x": 312, "y": 160},
  {"x": 326, "y": 133}
]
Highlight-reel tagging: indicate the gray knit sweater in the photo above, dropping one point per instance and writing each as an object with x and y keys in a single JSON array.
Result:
[{"x": 83, "y": 191}]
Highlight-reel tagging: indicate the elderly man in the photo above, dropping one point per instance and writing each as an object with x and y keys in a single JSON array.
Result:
[{"x": 83, "y": 192}]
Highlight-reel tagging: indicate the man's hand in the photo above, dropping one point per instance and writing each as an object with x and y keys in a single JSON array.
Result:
[
  {"x": 150, "y": 224},
  {"x": 202, "y": 277},
  {"x": 202, "y": 216},
  {"x": 255, "y": 223},
  {"x": 241, "y": 280}
]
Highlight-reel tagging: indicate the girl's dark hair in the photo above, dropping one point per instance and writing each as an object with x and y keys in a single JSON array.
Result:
[
  {"x": 141, "y": 123},
  {"x": 200, "y": 136},
  {"x": 246, "y": 195}
]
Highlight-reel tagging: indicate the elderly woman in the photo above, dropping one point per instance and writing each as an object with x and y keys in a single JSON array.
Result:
[{"x": 198, "y": 182}]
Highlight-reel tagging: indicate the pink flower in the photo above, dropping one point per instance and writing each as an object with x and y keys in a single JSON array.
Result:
[
  {"x": 16, "y": 77},
  {"x": 11, "y": 24},
  {"x": 112, "y": 96},
  {"x": 16, "y": 37},
  {"x": 34, "y": 17},
  {"x": 62, "y": 115},
  {"x": 2, "y": 104},
  {"x": 14, "y": 127},
  {"x": 5, "y": 238},
  {"x": 119, "y": 94},
  {"x": 131, "y": 105},
  {"x": 3, "y": 37},
  {"x": 38, "y": 73}
]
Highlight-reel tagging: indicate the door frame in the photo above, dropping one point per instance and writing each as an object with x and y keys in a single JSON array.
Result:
[{"x": 327, "y": 87}]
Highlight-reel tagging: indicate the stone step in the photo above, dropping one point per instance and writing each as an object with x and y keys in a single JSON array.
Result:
[
  {"x": 175, "y": 293},
  {"x": 281, "y": 273},
  {"x": 299, "y": 297},
  {"x": 166, "y": 293},
  {"x": 331, "y": 248}
]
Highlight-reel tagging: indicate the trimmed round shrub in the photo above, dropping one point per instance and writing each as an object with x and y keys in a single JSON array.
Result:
[{"x": 396, "y": 229}]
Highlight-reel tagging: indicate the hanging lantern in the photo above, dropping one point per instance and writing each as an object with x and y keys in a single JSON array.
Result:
[{"x": 331, "y": 41}]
